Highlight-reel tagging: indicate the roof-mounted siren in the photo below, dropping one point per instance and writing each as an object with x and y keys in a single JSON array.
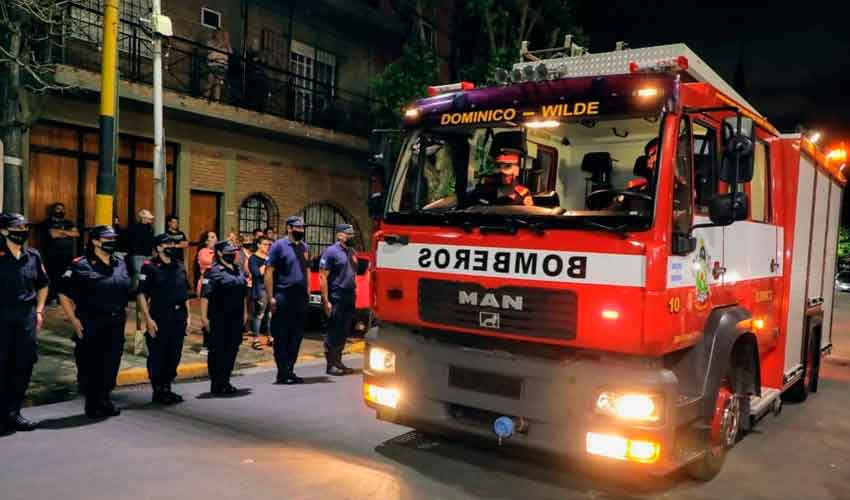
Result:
[
  {"x": 667, "y": 64},
  {"x": 449, "y": 88}
]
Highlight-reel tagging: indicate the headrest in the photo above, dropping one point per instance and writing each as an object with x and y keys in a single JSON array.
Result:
[
  {"x": 641, "y": 167},
  {"x": 599, "y": 162}
]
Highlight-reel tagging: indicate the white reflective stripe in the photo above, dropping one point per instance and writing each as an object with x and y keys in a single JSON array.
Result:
[
  {"x": 205, "y": 281},
  {"x": 142, "y": 277},
  {"x": 67, "y": 274},
  {"x": 515, "y": 263}
]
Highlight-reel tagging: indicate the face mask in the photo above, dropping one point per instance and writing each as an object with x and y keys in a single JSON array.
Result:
[
  {"x": 349, "y": 241},
  {"x": 297, "y": 235},
  {"x": 229, "y": 258},
  {"x": 18, "y": 237},
  {"x": 109, "y": 246},
  {"x": 171, "y": 252},
  {"x": 59, "y": 214}
]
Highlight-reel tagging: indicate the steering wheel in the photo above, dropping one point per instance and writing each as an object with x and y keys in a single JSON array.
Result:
[{"x": 607, "y": 195}]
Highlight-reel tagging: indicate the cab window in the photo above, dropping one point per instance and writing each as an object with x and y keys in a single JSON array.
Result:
[
  {"x": 682, "y": 180},
  {"x": 760, "y": 185}
]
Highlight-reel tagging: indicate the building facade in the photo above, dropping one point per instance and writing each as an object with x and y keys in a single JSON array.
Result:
[{"x": 267, "y": 112}]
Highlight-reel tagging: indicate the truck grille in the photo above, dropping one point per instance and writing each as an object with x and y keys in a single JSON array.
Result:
[
  {"x": 488, "y": 383},
  {"x": 532, "y": 312}
]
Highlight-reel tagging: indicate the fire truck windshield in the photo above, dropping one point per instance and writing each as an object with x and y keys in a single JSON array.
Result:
[{"x": 562, "y": 172}]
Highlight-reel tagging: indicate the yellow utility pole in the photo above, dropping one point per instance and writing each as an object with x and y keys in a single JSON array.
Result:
[{"x": 108, "y": 107}]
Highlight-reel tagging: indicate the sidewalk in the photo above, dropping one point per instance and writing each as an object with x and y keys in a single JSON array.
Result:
[{"x": 54, "y": 377}]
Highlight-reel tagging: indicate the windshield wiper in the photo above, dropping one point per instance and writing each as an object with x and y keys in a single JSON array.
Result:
[
  {"x": 512, "y": 225},
  {"x": 618, "y": 230}
]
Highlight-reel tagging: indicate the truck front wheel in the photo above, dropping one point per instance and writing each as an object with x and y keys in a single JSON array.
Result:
[{"x": 726, "y": 428}]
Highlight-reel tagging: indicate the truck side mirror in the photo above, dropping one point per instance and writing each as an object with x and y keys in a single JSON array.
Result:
[
  {"x": 725, "y": 209},
  {"x": 738, "y": 147},
  {"x": 683, "y": 244}
]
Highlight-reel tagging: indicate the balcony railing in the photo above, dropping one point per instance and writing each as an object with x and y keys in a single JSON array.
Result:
[{"x": 247, "y": 82}]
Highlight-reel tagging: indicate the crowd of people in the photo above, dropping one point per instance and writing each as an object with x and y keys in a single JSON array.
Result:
[{"x": 259, "y": 283}]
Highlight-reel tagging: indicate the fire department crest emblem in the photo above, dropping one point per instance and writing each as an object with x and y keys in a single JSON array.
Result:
[{"x": 700, "y": 270}]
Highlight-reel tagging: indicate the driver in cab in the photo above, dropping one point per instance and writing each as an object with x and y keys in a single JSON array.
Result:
[{"x": 502, "y": 186}]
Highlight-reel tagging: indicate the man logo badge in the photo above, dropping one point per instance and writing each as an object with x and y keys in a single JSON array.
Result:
[{"x": 489, "y": 320}]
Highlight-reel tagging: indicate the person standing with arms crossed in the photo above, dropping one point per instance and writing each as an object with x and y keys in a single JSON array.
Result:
[
  {"x": 59, "y": 236},
  {"x": 337, "y": 278},
  {"x": 23, "y": 294},
  {"x": 94, "y": 293},
  {"x": 285, "y": 281},
  {"x": 223, "y": 313},
  {"x": 163, "y": 301}
]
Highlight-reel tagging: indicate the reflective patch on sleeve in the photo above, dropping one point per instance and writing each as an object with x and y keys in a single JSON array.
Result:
[
  {"x": 205, "y": 281},
  {"x": 323, "y": 262},
  {"x": 67, "y": 274},
  {"x": 142, "y": 277}
]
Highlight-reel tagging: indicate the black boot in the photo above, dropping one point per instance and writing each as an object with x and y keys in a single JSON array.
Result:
[
  {"x": 171, "y": 396},
  {"x": 108, "y": 408},
  {"x": 333, "y": 368},
  {"x": 93, "y": 408},
  {"x": 160, "y": 397},
  {"x": 19, "y": 423}
]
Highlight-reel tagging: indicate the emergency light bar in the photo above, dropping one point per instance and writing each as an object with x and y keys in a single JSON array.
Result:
[
  {"x": 673, "y": 57},
  {"x": 451, "y": 87}
]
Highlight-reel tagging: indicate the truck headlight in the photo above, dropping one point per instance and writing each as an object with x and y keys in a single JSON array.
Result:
[
  {"x": 381, "y": 360},
  {"x": 634, "y": 406}
]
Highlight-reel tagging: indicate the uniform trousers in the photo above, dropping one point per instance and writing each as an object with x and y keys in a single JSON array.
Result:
[
  {"x": 287, "y": 327},
  {"x": 98, "y": 353},
  {"x": 339, "y": 323},
  {"x": 18, "y": 354},
  {"x": 166, "y": 349},
  {"x": 224, "y": 341}
]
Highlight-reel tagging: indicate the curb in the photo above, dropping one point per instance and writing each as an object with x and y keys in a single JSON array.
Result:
[{"x": 187, "y": 371}]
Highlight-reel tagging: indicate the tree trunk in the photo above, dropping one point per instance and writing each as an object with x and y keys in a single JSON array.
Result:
[{"x": 12, "y": 133}]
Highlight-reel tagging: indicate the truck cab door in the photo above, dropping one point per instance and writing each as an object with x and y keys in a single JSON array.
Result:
[{"x": 752, "y": 251}]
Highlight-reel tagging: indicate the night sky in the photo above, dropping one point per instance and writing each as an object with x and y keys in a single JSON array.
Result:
[{"x": 796, "y": 58}]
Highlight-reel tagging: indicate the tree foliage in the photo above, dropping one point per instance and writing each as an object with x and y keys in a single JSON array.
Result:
[
  {"x": 843, "y": 243},
  {"x": 505, "y": 24},
  {"x": 403, "y": 81},
  {"x": 486, "y": 36},
  {"x": 31, "y": 32}
]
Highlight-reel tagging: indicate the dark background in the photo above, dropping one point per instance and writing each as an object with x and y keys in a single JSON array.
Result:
[{"x": 793, "y": 59}]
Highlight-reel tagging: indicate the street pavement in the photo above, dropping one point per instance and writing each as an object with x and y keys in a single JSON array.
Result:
[{"x": 318, "y": 441}]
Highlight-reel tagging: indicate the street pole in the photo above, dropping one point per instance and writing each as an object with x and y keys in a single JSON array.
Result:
[
  {"x": 108, "y": 106},
  {"x": 159, "y": 175}
]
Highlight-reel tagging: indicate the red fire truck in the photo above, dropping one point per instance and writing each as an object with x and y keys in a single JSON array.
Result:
[{"x": 670, "y": 282}]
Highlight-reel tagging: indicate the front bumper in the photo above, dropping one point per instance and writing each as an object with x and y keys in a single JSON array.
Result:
[{"x": 555, "y": 405}]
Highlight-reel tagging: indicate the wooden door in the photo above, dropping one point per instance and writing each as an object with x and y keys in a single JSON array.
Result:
[
  {"x": 204, "y": 216},
  {"x": 52, "y": 178}
]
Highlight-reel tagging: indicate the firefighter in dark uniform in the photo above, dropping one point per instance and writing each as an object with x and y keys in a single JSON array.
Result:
[
  {"x": 223, "y": 313},
  {"x": 511, "y": 192},
  {"x": 94, "y": 292},
  {"x": 337, "y": 271},
  {"x": 23, "y": 293},
  {"x": 285, "y": 280},
  {"x": 162, "y": 299}
]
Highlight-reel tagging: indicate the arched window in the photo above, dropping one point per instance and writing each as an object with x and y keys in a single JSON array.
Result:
[
  {"x": 321, "y": 219},
  {"x": 257, "y": 211}
]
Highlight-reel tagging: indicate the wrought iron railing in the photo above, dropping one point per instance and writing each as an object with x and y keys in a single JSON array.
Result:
[{"x": 248, "y": 82}]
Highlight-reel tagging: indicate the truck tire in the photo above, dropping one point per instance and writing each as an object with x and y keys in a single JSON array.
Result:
[
  {"x": 726, "y": 429},
  {"x": 808, "y": 383}
]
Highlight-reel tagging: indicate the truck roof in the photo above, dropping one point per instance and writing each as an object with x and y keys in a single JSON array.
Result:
[{"x": 619, "y": 62}]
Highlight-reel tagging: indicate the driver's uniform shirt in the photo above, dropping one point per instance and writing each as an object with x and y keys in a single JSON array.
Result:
[{"x": 514, "y": 194}]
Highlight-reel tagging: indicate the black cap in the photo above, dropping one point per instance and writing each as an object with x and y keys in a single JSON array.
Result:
[
  {"x": 101, "y": 232},
  {"x": 226, "y": 247},
  {"x": 10, "y": 220},
  {"x": 344, "y": 228},
  {"x": 162, "y": 239},
  {"x": 294, "y": 221}
]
